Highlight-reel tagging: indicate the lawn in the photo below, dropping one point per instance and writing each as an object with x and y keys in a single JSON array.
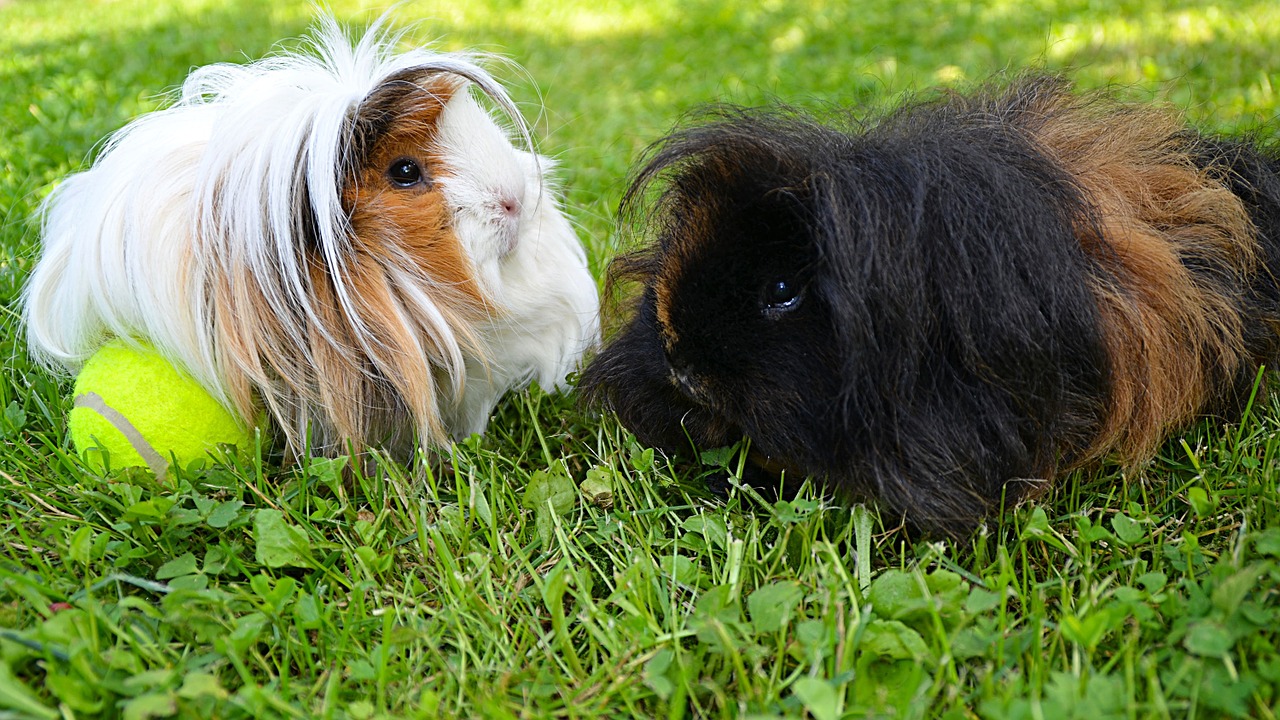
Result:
[{"x": 553, "y": 568}]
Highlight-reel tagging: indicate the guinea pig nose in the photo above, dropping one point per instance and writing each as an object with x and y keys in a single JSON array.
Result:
[{"x": 507, "y": 202}]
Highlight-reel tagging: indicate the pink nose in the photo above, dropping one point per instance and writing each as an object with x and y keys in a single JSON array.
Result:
[{"x": 509, "y": 205}]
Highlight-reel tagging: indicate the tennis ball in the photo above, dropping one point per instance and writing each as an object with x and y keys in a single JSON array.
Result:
[{"x": 145, "y": 412}]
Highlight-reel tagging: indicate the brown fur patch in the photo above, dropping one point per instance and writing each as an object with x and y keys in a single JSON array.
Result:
[
  {"x": 697, "y": 222},
  {"x": 369, "y": 372},
  {"x": 662, "y": 289},
  {"x": 410, "y": 225},
  {"x": 402, "y": 230},
  {"x": 1172, "y": 336},
  {"x": 248, "y": 332}
]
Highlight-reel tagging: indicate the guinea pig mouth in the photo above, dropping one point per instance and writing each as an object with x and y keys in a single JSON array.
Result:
[
  {"x": 509, "y": 210},
  {"x": 508, "y": 236},
  {"x": 512, "y": 239},
  {"x": 688, "y": 384}
]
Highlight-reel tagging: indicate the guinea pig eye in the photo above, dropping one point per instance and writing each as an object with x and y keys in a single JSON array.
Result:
[
  {"x": 781, "y": 296},
  {"x": 405, "y": 173}
]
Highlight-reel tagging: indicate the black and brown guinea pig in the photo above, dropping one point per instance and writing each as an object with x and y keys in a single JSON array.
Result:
[{"x": 950, "y": 307}]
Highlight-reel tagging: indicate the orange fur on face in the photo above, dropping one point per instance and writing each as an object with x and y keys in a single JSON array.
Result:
[
  {"x": 398, "y": 225},
  {"x": 1172, "y": 337},
  {"x": 665, "y": 280},
  {"x": 398, "y": 230},
  {"x": 372, "y": 359}
]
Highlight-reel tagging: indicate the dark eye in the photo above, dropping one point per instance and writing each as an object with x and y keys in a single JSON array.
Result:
[
  {"x": 404, "y": 172},
  {"x": 781, "y": 296}
]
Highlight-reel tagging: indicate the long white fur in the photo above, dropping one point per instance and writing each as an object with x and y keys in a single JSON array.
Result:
[{"x": 212, "y": 187}]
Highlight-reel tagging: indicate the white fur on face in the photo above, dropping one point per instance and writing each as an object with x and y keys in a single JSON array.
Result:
[
  {"x": 215, "y": 230},
  {"x": 489, "y": 185},
  {"x": 527, "y": 259}
]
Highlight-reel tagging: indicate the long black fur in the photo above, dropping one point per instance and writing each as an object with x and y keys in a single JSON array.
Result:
[{"x": 946, "y": 352}]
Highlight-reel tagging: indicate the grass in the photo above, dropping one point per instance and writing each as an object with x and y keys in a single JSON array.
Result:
[{"x": 555, "y": 569}]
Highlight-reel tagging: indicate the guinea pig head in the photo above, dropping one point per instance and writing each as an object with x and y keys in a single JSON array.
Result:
[
  {"x": 421, "y": 304},
  {"x": 425, "y": 214},
  {"x": 476, "y": 223},
  {"x": 732, "y": 336},
  {"x": 358, "y": 315}
]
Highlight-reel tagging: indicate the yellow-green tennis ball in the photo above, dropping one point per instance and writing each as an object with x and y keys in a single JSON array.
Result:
[{"x": 146, "y": 412}]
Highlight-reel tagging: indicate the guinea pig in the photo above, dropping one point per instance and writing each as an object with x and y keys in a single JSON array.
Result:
[
  {"x": 948, "y": 308},
  {"x": 341, "y": 236}
]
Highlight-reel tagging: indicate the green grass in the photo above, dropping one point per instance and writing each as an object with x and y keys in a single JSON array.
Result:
[{"x": 486, "y": 582}]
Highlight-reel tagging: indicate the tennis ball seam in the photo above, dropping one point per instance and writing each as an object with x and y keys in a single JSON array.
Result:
[
  {"x": 171, "y": 415},
  {"x": 93, "y": 401}
]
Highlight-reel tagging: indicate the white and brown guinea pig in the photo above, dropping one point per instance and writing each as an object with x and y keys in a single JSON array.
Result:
[
  {"x": 949, "y": 307},
  {"x": 342, "y": 236}
]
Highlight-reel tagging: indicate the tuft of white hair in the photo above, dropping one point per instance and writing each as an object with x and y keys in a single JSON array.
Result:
[{"x": 217, "y": 230}]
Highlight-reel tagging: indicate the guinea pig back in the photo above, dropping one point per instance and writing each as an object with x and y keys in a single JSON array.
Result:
[{"x": 950, "y": 307}]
